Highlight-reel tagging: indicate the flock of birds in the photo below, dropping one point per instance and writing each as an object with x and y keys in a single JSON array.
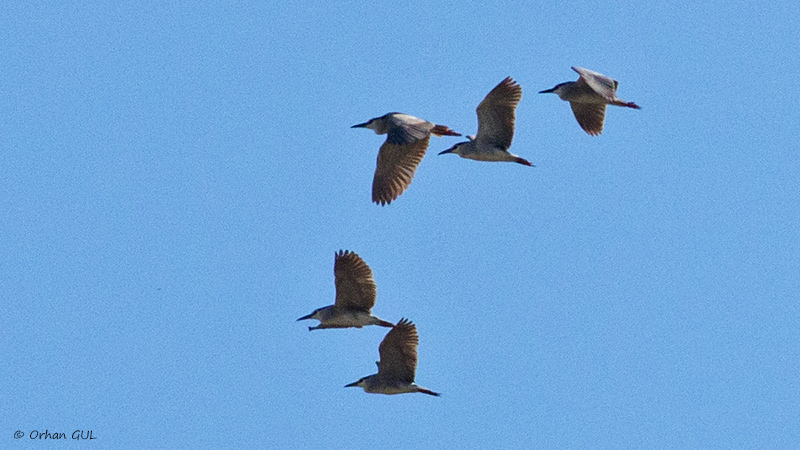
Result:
[{"x": 406, "y": 143}]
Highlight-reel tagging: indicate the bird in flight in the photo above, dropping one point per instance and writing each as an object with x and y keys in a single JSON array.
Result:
[
  {"x": 496, "y": 116},
  {"x": 406, "y": 143},
  {"x": 355, "y": 296},
  {"x": 588, "y": 98},
  {"x": 398, "y": 363}
]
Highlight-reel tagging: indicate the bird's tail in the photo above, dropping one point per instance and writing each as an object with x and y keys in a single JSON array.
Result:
[{"x": 443, "y": 130}]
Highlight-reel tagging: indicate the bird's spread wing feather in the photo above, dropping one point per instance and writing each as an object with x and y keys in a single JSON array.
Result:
[
  {"x": 405, "y": 129},
  {"x": 398, "y": 352},
  {"x": 590, "y": 116},
  {"x": 395, "y": 169},
  {"x": 355, "y": 287},
  {"x": 497, "y": 113},
  {"x": 598, "y": 82}
]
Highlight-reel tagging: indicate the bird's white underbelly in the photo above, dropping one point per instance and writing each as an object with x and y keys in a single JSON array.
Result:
[{"x": 351, "y": 319}]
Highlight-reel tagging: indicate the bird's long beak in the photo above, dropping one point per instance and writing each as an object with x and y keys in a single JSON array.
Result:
[
  {"x": 546, "y": 91},
  {"x": 352, "y": 384},
  {"x": 305, "y": 317},
  {"x": 361, "y": 125},
  {"x": 449, "y": 150}
]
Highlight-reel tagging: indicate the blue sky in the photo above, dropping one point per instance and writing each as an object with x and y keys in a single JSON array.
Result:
[{"x": 176, "y": 178}]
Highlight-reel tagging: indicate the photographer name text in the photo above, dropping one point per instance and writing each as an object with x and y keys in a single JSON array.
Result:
[{"x": 47, "y": 434}]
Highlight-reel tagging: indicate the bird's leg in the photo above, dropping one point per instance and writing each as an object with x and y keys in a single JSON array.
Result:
[
  {"x": 625, "y": 104},
  {"x": 443, "y": 130},
  {"x": 523, "y": 161}
]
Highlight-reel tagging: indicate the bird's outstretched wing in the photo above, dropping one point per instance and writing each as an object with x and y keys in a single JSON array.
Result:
[
  {"x": 398, "y": 352},
  {"x": 405, "y": 129},
  {"x": 497, "y": 113},
  {"x": 395, "y": 168},
  {"x": 355, "y": 287},
  {"x": 590, "y": 116},
  {"x": 598, "y": 82}
]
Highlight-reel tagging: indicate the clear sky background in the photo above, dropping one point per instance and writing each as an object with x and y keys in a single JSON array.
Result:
[{"x": 175, "y": 178}]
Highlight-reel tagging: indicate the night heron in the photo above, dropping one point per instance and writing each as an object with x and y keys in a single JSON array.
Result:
[
  {"x": 398, "y": 363},
  {"x": 496, "y": 114},
  {"x": 355, "y": 296},
  {"x": 406, "y": 143},
  {"x": 588, "y": 98}
]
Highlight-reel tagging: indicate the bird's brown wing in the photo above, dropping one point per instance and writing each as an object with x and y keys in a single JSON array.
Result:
[
  {"x": 398, "y": 352},
  {"x": 497, "y": 113},
  {"x": 355, "y": 287},
  {"x": 590, "y": 116},
  {"x": 395, "y": 169}
]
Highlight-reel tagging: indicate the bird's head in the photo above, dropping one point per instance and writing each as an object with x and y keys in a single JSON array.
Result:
[
  {"x": 456, "y": 149},
  {"x": 313, "y": 315},
  {"x": 360, "y": 383},
  {"x": 380, "y": 125},
  {"x": 558, "y": 89},
  {"x": 368, "y": 124}
]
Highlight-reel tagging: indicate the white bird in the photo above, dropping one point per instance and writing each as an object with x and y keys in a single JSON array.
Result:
[
  {"x": 398, "y": 363},
  {"x": 588, "y": 98},
  {"x": 406, "y": 143},
  {"x": 355, "y": 296},
  {"x": 496, "y": 116}
]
